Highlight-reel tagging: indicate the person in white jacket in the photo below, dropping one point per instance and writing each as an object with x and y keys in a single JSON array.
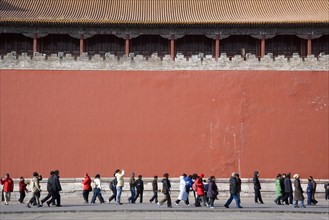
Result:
[
  {"x": 97, "y": 190},
  {"x": 119, "y": 175},
  {"x": 182, "y": 190}
]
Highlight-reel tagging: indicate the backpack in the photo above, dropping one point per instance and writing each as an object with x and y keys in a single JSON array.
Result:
[{"x": 113, "y": 183}]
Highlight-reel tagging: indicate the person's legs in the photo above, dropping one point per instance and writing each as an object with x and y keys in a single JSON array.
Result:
[
  {"x": 100, "y": 197},
  {"x": 118, "y": 197},
  {"x": 85, "y": 195},
  {"x": 7, "y": 197},
  {"x": 168, "y": 200},
  {"x": 228, "y": 202},
  {"x": 93, "y": 199},
  {"x": 236, "y": 199}
]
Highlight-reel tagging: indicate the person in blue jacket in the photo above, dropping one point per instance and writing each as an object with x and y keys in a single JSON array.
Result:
[{"x": 309, "y": 191}]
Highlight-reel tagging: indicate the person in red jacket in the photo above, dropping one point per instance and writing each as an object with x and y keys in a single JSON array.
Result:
[
  {"x": 86, "y": 187},
  {"x": 22, "y": 189},
  {"x": 8, "y": 187},
  {"x": 199, "y": 191}
]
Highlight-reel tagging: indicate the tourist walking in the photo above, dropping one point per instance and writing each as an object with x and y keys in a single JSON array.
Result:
[
  {"x": 49, "y": 188},
  {"x": 314, "y": 202},
  {"x": 288, "y": 189},
  {"x": 140, "y": 189},
  {"x": 233, "y": 192},
  {"x": 155, "y": 190},
  {"x": 166, "y": 191},
  {"x": 22, "y": 189},
  {"x": 8, "y": 187},
  {"x": 182, "y": 190},
  {"x": 298, "y": 193},
  {"x": 309, "y": 190},
  {"x": 326, "y": 188},
  {"x": 55, "y": 188},
  {"x": 35, "y": 189},
  {"x": 97, "y": 190},
  {"x": 86, "y": 188},
  {"x": 239, "y": 182},
  {"x": 278, "y": 190},
  {"x": 132, "y": 187},
  {"x": 212, "y": 192},
  {"x": 119, "y": 175},
  {"x": 257, "y": 188},
  {"x": 113, "y": 187},
  {"x": 199, "y": 191}
]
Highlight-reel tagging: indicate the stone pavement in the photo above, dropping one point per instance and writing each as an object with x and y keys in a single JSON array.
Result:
[{"x": 73, "y": 208}]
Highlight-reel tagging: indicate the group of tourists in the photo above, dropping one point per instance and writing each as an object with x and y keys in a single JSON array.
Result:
[
  {"x": 205, "y": 192},
  {"x": 53, "y": 188}
]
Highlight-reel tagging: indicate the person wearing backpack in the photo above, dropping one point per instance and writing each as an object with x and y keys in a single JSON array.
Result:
[
  {"x": 113, "y": 185},
  {"x": 8, "y": 188},
  {"x": 140, "y": 189}
]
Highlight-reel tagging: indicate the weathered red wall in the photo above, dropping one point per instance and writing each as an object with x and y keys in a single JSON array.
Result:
[{"x": 152, "y": 122}]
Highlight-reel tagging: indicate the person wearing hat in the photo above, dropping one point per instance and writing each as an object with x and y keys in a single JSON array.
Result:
[
  {"x": 199, "y": 191},
  {"x": 298, "y": 193}
]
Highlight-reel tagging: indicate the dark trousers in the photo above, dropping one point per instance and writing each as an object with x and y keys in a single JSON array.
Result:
[
  {"x": 46, "y": 198},
  {"x": 166, "y": 199},
  {"x": 35, "y": 198},
  {"x": 85, "y": 194},
  {"x": 290, "y": 196},
  {"x": 211, "y": 201},
  {"x": 327, "y": 194},
  {"x": 2, "y": 196},
  {"x": 154, "y": 197},
  {"x": 55, "y": 196},
  {"x": 200, "y": 199},
  {"x": 21, "y": 196},
  {"x": 114, "y": 195},
  {"x": 140, "y": 195},
  {"x": 258, "y": 196}
]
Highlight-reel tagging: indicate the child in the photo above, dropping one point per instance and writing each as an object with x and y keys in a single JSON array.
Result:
[
  {"x": 140, "y": 189},
  {"x": 155, "y": 190},
  {"x": 22, "y": 189},
  {"x": 309, "y": 191}
]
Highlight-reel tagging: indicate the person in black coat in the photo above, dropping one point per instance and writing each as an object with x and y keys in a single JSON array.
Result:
[
  {"x": 49, "y": 188},
  {"x": 155, "y": 190},
  {"x": 140, "y": 189},
  {"x": 233, "y": 192},
  {"x": 56, "y": 188},
  {"x": 257, "y": 188},
  {"x": 288, "y": 189},
  {"x": 166, "y": 191}
]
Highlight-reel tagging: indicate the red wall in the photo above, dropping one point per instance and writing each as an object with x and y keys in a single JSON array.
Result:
[{"x": 153, "y": 122}]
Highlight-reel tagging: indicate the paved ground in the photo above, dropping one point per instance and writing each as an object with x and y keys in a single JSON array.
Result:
[{"x": 75, "y": 209}]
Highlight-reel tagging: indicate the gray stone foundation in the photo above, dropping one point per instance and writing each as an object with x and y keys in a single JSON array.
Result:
[{"x": 63, "y": 61}]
